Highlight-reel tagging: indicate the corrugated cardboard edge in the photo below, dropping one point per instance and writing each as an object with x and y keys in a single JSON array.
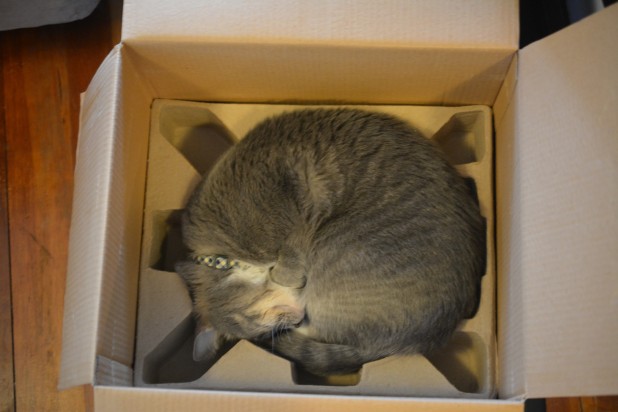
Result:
[
  {"x": 122, "y": 246},
  {"x": 99, "y": 313},
  {"x": 509, "y": 305},
  {"x": 559, "y": 209},
  {"x": 112, "y": 373},
  {"x": 88, "y": 225},
  {"x": 140, "y": 399},
  {"x": 443, "y": 23}
]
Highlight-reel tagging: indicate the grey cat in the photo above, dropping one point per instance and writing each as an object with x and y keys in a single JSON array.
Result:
[{"x": 334, "y": 237}]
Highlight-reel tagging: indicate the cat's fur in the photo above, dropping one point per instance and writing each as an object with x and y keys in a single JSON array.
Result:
[{"x": 356, "y": 239}]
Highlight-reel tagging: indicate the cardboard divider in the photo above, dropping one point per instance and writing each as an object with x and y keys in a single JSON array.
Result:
[
  {"x": 185, "y": 140},
  {"x": 461, "y": 138}
]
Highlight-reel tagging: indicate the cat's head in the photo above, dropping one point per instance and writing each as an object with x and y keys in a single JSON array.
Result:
[
  {"x": 238, "y": 300},
  {"x": 242, "y": 210}
]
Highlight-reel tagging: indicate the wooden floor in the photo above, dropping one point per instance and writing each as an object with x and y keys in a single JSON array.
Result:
[{"x": 42, "y": 73}]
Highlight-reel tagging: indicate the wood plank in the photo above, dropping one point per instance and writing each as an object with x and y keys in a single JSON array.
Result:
[
  {"x": 562, "y": 405},
  {"x": 599, "y": 404},
  {"x": 44, "y": 71},
  {"x": 7, "y": 393},
  {"x": 583, "y": 404}
]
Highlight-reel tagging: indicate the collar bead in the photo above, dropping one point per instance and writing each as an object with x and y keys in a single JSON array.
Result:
[{"x": 219, "y": 262}]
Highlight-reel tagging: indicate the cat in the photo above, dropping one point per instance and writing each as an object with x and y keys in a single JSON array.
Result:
[{"x": 333, "y": 237}]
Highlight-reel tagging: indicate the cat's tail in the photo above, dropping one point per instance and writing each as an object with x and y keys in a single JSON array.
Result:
[{"x": 317, "y": 357}]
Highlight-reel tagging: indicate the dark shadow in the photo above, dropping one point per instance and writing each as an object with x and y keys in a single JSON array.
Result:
[
  {"x": 471, "y": 184},
  {"x": 167, "y": 245},
  {"x": 197, "y": 134},
  {"x": 461, "y": 138},
  {"x": 461, "y": 361},
  {"x": 538, "y": 19},
  {"x": 302, "y": 377},
  {"x": 202, "y": 145},
  {"x": 172, "y": 360},
  {"x": 535, "y": 405}
]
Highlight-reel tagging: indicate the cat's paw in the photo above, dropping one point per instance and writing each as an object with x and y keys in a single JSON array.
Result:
[{"x": 205, "y": 345}]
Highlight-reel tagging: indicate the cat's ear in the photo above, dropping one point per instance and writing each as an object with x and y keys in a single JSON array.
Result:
[
  {"x": 290, "y": 268},
  {"x": 291, "y": 278},
  {"x": 206, "y": 343}
]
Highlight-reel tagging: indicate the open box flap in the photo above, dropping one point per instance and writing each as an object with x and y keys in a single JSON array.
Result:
[
  {"x": 557, "y": 184},
  {"x": 101, "y": 291},
  {"x": 88, "y": 225},
  {"x": 475, "y": 23},
  {"x": 396, "y": 52}
]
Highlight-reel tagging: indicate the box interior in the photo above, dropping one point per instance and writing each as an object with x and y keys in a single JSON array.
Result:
[{"x": 179, "y": 129}]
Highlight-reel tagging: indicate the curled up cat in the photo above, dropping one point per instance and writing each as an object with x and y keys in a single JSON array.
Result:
[{"x": 333, "y": 237}]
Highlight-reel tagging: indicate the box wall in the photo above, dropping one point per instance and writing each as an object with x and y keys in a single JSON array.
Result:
[
  {"x": 560, "y": 213},
  {"x": 105, "y": 234},
  {"x": 508, "y": 239},
  {"x": 138, "y": 399},
  {"x": 124, "y": 219},
  {"x": 295, "y": 72},
  {"x": 88, "y": 231},
  {"x": 444, "y": 23}
]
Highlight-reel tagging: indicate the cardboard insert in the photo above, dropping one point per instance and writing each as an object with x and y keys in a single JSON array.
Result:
[{"x": 186, "y": 138}]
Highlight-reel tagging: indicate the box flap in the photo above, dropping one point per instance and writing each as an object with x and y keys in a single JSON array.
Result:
[
  {"x": 88, "y": 226},
  {"x": 558, "y": 208},
  {"x": 101, "y": 291},
  {"x": 478, "y": 23},
  {"x": 391, "y": 52}
]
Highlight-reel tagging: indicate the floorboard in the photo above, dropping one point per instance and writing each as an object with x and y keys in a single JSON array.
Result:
[
  {"x": 44, "y": 70},
  {"x": 7, "y": 393}
]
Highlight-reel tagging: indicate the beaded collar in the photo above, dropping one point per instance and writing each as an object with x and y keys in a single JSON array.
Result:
[{"x": 216, "y": 261}]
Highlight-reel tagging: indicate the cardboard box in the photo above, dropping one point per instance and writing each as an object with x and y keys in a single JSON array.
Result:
[{"x": 553, "y": 103}]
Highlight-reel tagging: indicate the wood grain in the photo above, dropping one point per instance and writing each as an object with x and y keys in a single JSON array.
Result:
[
  {"x": 584, "y": 404},
  {"x": 562, "y": 405},
  {"x": 44, "y": 70},
  {"x": 7, "y": 394},
  {"x": 599, "y": 403}
]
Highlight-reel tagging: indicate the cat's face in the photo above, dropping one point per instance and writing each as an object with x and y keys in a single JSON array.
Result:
[{"x": 241, "y": 301}]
